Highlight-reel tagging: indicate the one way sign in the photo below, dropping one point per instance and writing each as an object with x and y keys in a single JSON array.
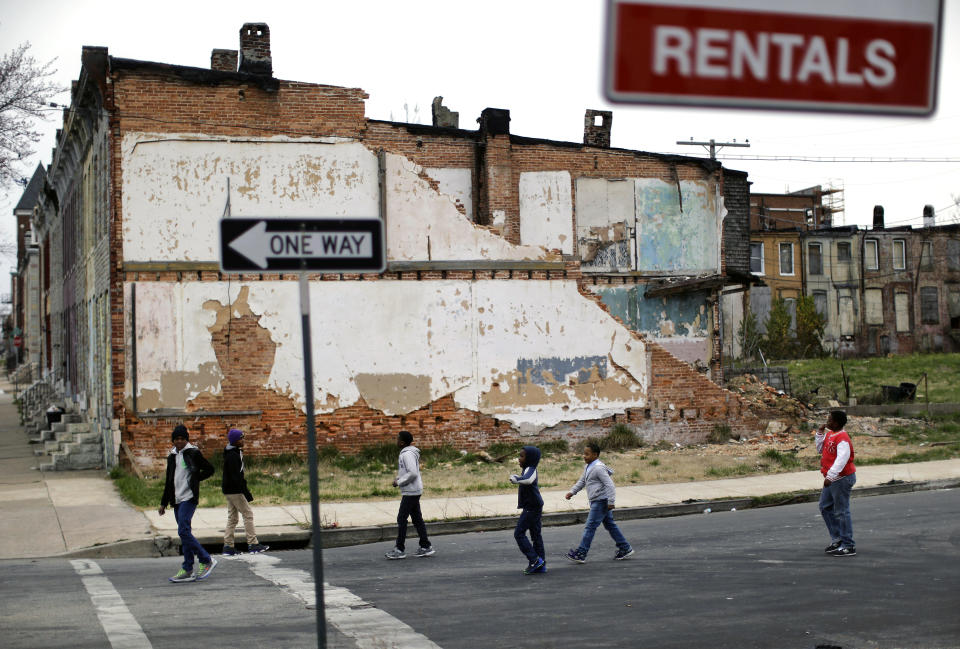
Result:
[{"x": 326, "y": 245}]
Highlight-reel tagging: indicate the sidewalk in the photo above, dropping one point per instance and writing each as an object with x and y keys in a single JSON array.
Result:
[{"x": 80, "y": 513}]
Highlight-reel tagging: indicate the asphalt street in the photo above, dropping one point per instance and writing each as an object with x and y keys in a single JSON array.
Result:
[{"x": 754, "y": 578}]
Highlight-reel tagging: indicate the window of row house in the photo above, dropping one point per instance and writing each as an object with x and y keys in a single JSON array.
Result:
[
  {"x": 820, "y": 304},
  {"x": 929, "y": 308},
  {"x": 843, "y": 251},
  {"x": 756, "y": 257},
  {"x": 953, "y": 305},
  {"x": 899, "y": 254},
  {"x": 786, "y": 259},
  {"x": 873, "y": 305},
  {"x": 901, "y": 307},
  {"x": 953, "y": 254},
  {"x": 926, "y": 255},
  {"x": 815, "y": 255},
  {"x": 870, "y": 259}
]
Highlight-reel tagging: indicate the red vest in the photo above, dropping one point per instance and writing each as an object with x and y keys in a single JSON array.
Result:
[{"x": 828, "y": 455}]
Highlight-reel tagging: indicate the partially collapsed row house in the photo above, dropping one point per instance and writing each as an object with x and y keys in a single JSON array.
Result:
[{"x": 533, "y": 287}]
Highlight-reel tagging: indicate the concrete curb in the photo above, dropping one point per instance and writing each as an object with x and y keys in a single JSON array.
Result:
[{"x": 165, "y": 546}]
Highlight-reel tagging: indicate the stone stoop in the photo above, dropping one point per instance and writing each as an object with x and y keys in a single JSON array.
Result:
[{"x": 71, "y": 445}]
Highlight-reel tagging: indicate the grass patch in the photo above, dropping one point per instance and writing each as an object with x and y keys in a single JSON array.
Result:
[
  {"x": 729, "y": 471},
  {"x": 785, "y": 459},
  {"x": 867, "y": 375}
]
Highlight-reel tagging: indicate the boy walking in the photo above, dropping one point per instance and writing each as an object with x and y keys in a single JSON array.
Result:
[
  {"x": 839, "y": 476},
  {"x": 411, "y": 488},
  {"x": 234, "y": 487},
  {"x": 602, "y": 494},
  {"x": 530, "y": 502},
  {"x": 186, "y": 467}
]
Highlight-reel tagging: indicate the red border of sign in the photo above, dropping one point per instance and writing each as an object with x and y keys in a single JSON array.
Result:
[{"x": 719, "y": 101}]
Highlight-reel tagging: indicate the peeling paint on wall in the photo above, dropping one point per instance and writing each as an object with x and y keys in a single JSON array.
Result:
[
  {"x": 638, "y": 224},
  {"x": 679, "y": 323},
  {"x": 175, "y": 189},
  {"x": 457, "y": 184},
  {"x": 402, "y": 345},
  {"x": 419, "y": 219},
  {"x": 546, "y": 210}
]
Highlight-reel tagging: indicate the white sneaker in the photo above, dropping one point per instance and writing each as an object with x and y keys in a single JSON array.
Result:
[{"x": 396, "y": 553}]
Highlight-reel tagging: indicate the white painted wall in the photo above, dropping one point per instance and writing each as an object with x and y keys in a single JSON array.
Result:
[
  {"x": 420, "y": 340},
  {"x": 546, "y": 210},
  {"x": 457, "y": 184}
]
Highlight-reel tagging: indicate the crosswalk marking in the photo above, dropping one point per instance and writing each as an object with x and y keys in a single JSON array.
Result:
[
  {"x": 370, "y": 627},
  {"x": 122, "y": 629}
]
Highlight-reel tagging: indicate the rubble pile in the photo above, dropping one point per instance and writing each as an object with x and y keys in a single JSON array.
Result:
[{"x": 772, "y": 403}]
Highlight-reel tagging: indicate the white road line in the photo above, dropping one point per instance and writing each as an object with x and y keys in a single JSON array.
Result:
[
  {"x": 122, "y": 629},
  {"x": 369, "y": 626}
]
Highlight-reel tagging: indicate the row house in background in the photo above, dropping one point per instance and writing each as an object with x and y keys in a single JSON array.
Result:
[
  {"x": 882, "y": 290},
  {"x": 534, "y": 288}
]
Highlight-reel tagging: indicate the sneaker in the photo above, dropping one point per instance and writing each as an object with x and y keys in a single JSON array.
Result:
[
  {"x": 204, "y": 569},
  {"x": 833, "y": 546},
  {"x": 535, "y": 567},
  {"x": 844, "y": 552},
  {"x": 182, "y": 576},
  {"x": 426, "y": 552},
  {"x": 396, "y": 553},
  {"x": 623, "y": 554},
  {"x": 542, "y": 569},
  {"x": 256, "y": 548},
  {"x": 576, "y": 556},
  {"x": 229, "y": 551}
]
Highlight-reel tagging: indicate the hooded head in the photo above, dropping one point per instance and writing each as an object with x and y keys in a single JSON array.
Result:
[
  {"x": 531, "y": 456},
  {"x": 234, "y": 436},
  {"x": 180, "y": 431}
]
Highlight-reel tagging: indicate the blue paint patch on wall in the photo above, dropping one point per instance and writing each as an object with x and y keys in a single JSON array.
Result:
[
  {"x": 551, "y": 371},
  {"x": 687, "y": 312},
  {"x": 671, "y": 239}
]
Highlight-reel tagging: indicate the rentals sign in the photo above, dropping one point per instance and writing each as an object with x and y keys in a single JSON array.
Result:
[{"x": 875, "y": 56}]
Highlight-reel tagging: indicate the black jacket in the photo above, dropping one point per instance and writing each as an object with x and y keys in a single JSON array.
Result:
[
  {"x": 234, "y": 482},
  {"x": 199, "y": 468}
]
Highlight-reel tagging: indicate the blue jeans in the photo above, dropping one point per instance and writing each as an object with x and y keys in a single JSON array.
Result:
[
  {"x": 189, "y": 544},
  {"x": 835, "y": 509},
  {"x": 600, "y": 514},
  {"x": 530, "y": 520}
]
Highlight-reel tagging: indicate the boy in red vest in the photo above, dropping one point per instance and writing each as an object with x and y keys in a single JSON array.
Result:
[{"x": 839, "y": 476}]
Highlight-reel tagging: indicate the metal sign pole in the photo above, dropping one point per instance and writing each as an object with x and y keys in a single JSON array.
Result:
[{"x": 312, "y": 460}]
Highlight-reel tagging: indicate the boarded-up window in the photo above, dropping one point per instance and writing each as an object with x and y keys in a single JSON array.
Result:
[
  {"x": 820, "y": 303},
  {"x": 756, "y": 257},
  {"x": 843, "y": 251},
  {"x": 953, "y": 254},
  {"x": 873, "y": 305},
  {"x": 870, "y": 260},
  {"x": 953, "y": 307},
  {"x": 926, "y": 255},
  {"x": 901, "y": 304},
  {"x": 815, "y": 254},
  {"x": 929, "y": 309},
  {"x": 899, "y": 254},
  {"x": 847, "y": 315},
  {"x": 786, "y": 259}
]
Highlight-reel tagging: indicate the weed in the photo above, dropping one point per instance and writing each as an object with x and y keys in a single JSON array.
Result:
[
  {"x": 787, "y": 460},
  {"x": 620, "y": 438},
  {"x": 720, "y": 434},
  {"x": 727, "y": 471},
  {"x": 554, "y": 446},
  {"x": 655, "y": 462}
]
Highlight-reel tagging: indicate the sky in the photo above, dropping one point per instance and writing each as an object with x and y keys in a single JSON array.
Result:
[{"x": 541, "y": 59}]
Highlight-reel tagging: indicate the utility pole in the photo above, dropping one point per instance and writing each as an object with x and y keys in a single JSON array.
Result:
[{"x": 714, "y": 145}]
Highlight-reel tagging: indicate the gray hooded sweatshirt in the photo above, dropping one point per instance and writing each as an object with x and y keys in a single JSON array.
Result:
[
  {"x": 596, "y": 477},
  {"x": 408, "y": 474}
]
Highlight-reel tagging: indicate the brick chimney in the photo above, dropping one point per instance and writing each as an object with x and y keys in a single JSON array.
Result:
[
  {"x": 224, "y": 60},
  {"x": 878, "y": 217},
  {"x": 596, "y": 128},
  {"x": 929, "y": 216},
  {"x": 255, "y": 49}
]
